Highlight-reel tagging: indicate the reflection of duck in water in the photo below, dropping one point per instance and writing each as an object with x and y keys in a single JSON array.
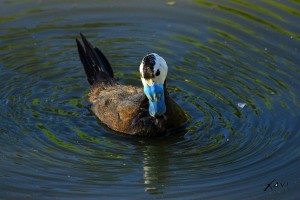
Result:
[
  {"x": 155, "y": 167},
  {"x": 127, "y": 109}
]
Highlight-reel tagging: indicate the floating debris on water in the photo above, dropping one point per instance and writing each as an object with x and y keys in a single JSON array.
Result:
[
  {"x": 241, "y": 105},
  {"x": 171, "y": 3},
  {"x": 149, "y": 189}
]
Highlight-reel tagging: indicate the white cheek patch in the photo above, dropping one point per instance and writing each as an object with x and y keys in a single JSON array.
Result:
[
  {"x": 159, "y": 79},
  {"x": 141, "y": 68},
  {"x": 162, "y": 66}
]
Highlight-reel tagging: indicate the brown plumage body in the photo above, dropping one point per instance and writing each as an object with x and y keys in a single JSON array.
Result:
[{"x": 124, "y": 108}]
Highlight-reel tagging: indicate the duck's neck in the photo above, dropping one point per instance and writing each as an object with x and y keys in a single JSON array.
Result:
[{"x": 166, "y": 93}]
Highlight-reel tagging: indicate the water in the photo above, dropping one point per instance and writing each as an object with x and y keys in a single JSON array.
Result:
[{"x": 233, "y": 66}]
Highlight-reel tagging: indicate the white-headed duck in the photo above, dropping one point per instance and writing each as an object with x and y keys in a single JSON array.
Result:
[{"x": 127, "y": 109}]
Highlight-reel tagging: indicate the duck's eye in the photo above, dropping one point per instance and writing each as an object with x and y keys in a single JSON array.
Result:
[{"x": 157, "y": 73}]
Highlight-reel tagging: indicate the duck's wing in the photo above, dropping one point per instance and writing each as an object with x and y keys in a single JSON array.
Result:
[{"x": 116, "y": 105}]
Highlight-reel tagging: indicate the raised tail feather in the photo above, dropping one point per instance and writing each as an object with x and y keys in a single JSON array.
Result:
[{"x": 96, "y": 66}]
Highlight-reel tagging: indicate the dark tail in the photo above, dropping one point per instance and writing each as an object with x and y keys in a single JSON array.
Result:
[{"x": 96, "y": 66}]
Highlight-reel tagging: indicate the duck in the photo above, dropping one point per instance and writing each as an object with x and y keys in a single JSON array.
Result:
[{"x": 140, "y": 111}]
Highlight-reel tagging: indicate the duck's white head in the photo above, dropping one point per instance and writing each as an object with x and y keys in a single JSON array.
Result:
[{"x": 153, "y": 70}]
